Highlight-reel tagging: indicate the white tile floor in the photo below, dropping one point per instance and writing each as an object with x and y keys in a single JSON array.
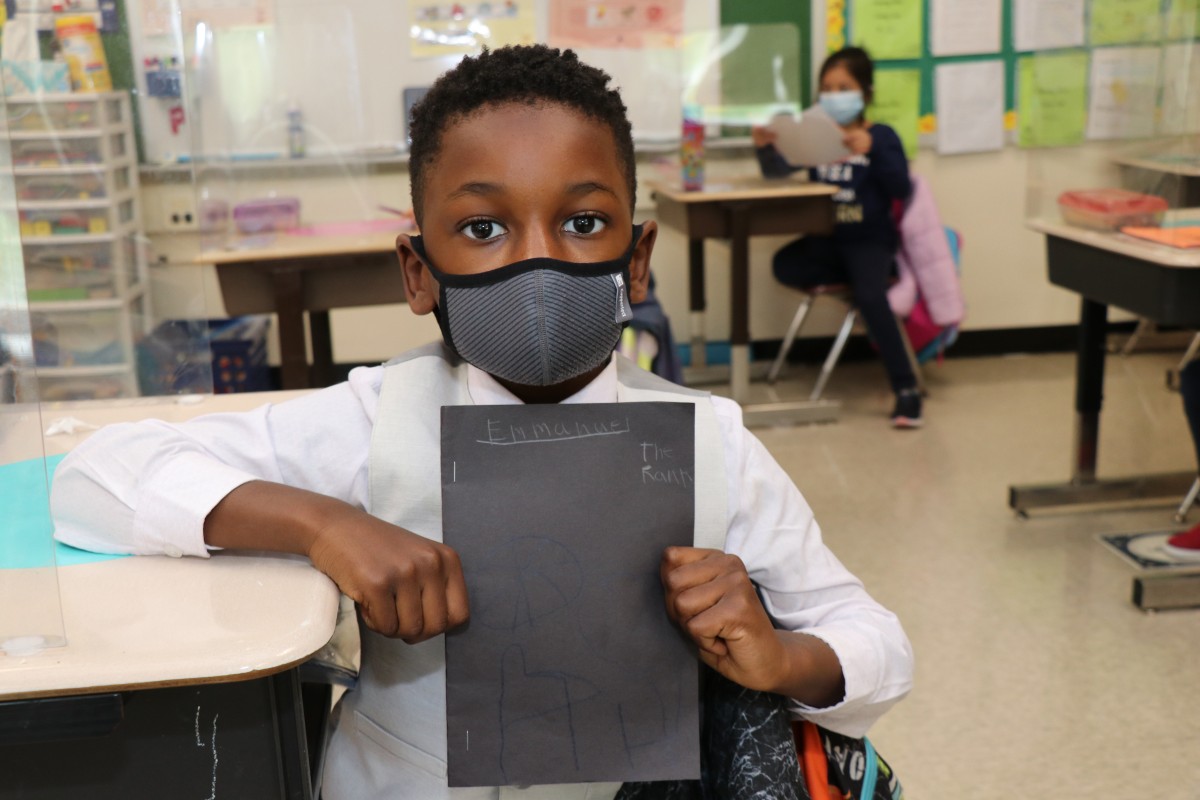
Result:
[{"x": 1036, "y": 676}]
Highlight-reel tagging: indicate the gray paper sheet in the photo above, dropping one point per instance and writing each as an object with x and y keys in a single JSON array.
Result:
[{"x": 569, "y": 669}]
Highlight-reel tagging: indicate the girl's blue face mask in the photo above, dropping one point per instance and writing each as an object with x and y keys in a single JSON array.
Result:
[{"x": 844, "y": 107}]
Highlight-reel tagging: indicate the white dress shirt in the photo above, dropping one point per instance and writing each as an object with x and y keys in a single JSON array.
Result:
[{"x": 146, "y": 488}]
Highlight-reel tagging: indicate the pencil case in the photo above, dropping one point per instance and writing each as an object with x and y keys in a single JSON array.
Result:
[{"x": 267, "y": 214}]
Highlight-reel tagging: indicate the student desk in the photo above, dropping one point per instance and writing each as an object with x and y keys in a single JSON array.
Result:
[
  {"x": 1154, "y": 281},
  {"x": 736, "y": 211},
  {"x": 289, "y": 274},
  {"x": 179, "y": 678}
]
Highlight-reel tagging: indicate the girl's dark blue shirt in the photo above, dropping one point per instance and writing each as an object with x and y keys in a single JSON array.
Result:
[{"x": 867, "y": 185}]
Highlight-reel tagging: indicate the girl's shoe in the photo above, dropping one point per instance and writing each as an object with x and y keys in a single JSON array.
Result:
[
  {"x": 907, "y": 413},
  {"x": 1184, "y": 546}
]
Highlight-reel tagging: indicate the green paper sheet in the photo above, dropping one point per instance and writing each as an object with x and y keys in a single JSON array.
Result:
[
  {"x": 889, "y": 29},
  {"x": 898, "y": 103},
  {"x": 1124, "y": 21},
  {"x": 1052, "y": 99},
  {"x": 1182, "y": 19}
]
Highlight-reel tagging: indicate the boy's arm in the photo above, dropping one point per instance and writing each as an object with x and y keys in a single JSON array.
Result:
[{"x": 405, "y": 585}]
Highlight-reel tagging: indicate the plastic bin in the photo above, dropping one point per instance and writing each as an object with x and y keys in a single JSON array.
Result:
[
  {"x": 1111, "y": 209},
  {"x": 267, "y": 214},
  {"x": 192, "y": 356},
  {"x": 77, "y": 338}
]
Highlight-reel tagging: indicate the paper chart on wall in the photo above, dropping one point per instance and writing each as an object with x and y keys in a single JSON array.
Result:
[
  {"x": 1052, "y": 99},
  {"x": 1182, "y": 19},
  {"x": 447, "y": 29},
  {"x": 970, "y": 102},
  {"x": 1124, "y": 21},
  {"x": 889, "y": 29},
  {"x": 1124, "y": 91},
  {"x": 1181, "y": 89},
  {"x": 964, "y": 27},
  {"x": 626, "y": 23},
  {"x": 898, "y": 103},
  {"x": 1048, "y": 24}
]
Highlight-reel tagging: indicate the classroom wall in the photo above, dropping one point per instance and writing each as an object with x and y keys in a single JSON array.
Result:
[{"x": 983, "y": 196}]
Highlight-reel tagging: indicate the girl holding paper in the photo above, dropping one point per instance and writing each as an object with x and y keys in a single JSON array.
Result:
[{"x": 861, "y": 251}]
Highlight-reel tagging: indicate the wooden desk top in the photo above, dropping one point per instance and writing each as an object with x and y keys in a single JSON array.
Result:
[
  {"x": 286, "y": 246},
  {"x": 151, "y": 621},
  {"x": 1130, "y": 246},
  {"x": 748, "y": 188},
  {"x": 1186, "y": 166}
]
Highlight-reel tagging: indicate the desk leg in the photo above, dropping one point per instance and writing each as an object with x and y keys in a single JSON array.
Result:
[
  {"x": 697, "y": 302},
  {"x": 739, "y": 303},
  {"x": 1084, "y": 489},
  {"x": 289, "y": 305},
  {"x": 322, "y": 348}
]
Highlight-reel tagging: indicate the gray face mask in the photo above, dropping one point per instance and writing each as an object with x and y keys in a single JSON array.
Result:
[{"x": 537, "y": 322}]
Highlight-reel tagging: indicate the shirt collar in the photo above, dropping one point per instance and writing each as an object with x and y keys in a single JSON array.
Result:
[{"x": 487, "y": 391}]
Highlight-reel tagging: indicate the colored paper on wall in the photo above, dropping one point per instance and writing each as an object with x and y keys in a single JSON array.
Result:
[
  {"x": 620, "y": 24},
  {"x": 1052, "y": 99},
  {"x": 898, "y": 104},
  {"x": 1180, "y": 89},
  {"x": 1124, "y": 91},
  {"x": 1048, "y": 24},
  {"x": 449, "y": 29},
  {"x": 1124, "y": 21},
  {"x": 889, "y": 29},
  {"x": 1182, "y": 19},
  {"x": 970, "y": 102},
  {"x": 964, "y": 27}
]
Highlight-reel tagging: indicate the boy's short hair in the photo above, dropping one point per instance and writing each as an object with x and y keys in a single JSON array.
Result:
[{"x": 531, "y": 74}]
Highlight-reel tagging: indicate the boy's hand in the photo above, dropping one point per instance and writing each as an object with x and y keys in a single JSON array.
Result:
[
  {"x": 762, "y": 136},
  {"x": 710, "y": 596},
  {"x": 405, "y": 585},
  {"x": 858, "y": 141}
]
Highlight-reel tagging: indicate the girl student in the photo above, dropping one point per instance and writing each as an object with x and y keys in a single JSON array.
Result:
[{"x": 861, "y": 251}]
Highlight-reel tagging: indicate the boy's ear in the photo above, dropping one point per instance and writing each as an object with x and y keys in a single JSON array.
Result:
[
  {"x": 639, "y": 267},
  {"x": 419, "y": 286}
]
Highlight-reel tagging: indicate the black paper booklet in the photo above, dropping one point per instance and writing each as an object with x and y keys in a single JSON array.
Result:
[{"x": 569, "y": 669}]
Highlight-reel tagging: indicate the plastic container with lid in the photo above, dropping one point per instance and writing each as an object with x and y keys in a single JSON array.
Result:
[{"x": 1111, "y": 209}]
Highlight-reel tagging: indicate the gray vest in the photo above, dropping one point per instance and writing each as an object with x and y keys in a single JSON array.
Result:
[{"x": 390, "y": 735}]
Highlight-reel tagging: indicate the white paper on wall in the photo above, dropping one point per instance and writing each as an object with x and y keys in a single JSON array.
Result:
[
  {"x": 1048, "y": 24},
  {"x": 964, "y": 27},
  {"x": 1181, "y": 89},
  {"x": 970, "y": 107},
  {"x": 1124, "y": 92}
]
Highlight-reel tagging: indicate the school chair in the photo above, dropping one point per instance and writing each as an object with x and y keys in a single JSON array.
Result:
[{"x": 842, "y": 293}]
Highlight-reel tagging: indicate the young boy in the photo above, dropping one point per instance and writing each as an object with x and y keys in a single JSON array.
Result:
[{"x": 523, "y": 185}]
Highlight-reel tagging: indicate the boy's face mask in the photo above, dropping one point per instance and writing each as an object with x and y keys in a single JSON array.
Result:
[
  {"x": 536, "y": 322},
  {"x": 844, "y": 107}
]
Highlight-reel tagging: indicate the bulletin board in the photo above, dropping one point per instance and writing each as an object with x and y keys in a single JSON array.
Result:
[{"x": 1114, "y": 75}]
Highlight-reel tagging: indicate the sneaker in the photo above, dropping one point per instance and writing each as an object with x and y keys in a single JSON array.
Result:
[
  {"x": 1184, "y": 546},
  {"x": 907, "y": 413}
]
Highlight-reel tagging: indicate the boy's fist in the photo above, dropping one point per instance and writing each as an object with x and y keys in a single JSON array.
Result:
[
  {"x": 405, "y": 585},
  {"x": 710, "y": 596}
]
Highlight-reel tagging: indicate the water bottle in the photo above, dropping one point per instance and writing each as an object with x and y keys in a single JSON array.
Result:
[
  {"x": 295, "y": 130},
  {"x": 691, "y": 149}
]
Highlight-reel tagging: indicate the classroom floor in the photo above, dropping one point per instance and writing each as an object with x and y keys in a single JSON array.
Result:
[{"x": 1036, "y": 676}]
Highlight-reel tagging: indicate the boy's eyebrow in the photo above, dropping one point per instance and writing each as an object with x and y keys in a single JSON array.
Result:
[
  {"x": 475, "y": 187},
  {"x": 483, "y": 189},
  {"x": 587, "y": 187}
]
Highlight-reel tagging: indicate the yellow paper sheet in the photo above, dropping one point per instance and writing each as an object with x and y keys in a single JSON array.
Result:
[
  {"x": 889, "y": 29},
  {"x": 898, "y": 104},
  {"x": 1052, "y": 99},
  {"x": 1123, "y": 21}
]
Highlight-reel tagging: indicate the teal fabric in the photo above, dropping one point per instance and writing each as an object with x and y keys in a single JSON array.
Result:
[{"x": 25, "y": 526}]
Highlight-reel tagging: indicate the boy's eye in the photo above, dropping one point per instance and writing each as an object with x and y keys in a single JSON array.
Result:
[
  {"x": 483, "y": 229},
  {"x": 584, "y": 224}
]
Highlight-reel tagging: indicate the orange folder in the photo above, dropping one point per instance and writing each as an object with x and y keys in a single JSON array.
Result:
[{"x": 1184, "y": 237}]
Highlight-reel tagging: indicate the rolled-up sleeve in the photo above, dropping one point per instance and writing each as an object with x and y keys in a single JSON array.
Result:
[
  {"x": 805, "y": 588},
  {"x": 147, "y": 487}
]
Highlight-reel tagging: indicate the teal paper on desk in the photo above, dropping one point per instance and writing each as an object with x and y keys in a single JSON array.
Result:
[{"x": 26, "y": 522}]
